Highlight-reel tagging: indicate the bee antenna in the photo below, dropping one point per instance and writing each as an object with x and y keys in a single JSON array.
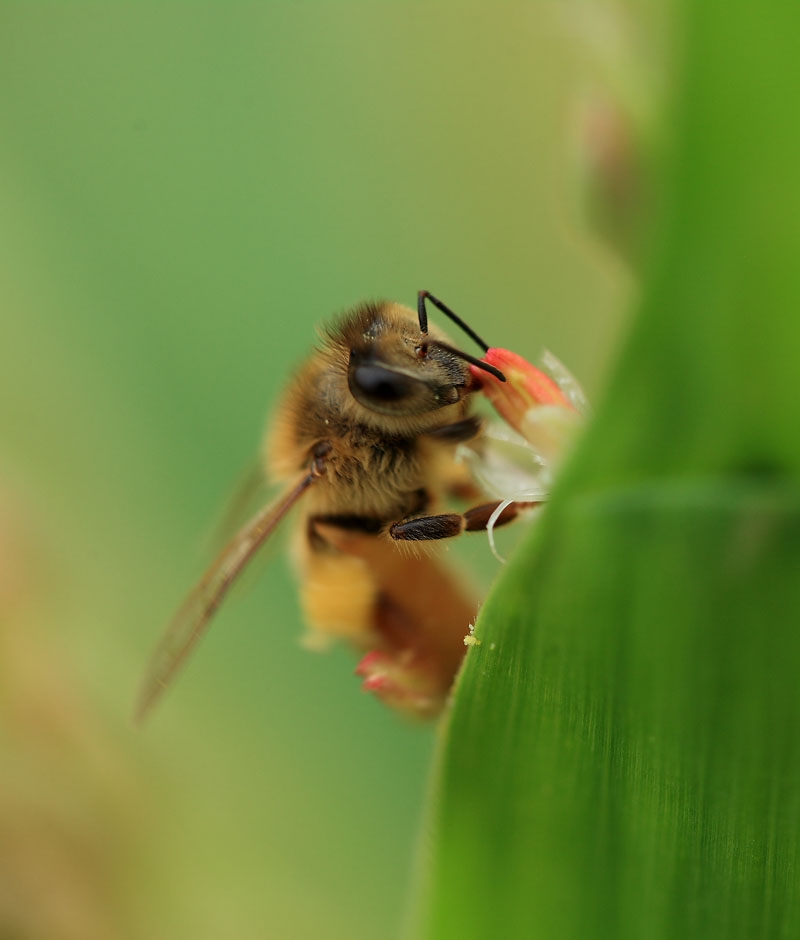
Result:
[
  {"x": 423, "y": 318},
  {"x": 472, "y": 360}
]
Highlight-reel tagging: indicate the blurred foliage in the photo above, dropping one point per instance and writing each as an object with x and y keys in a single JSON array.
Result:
[
  {"x": 622, "y": 758},
  {"x": 185, "y": 192}
]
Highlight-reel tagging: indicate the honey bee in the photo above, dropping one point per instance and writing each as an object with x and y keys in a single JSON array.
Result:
[{"x": 364, "y": 443}]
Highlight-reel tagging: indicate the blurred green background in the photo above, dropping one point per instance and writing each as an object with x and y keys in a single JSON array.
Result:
[{"x": 185, "y": 192}]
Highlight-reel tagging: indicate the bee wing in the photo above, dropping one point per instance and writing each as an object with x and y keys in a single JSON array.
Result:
[
  {"x": 250, "y": 492},
  {"x": 193, "y": 617}
]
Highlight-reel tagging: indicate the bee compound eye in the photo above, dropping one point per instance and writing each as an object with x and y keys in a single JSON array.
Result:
[{"x": 379, "y": 384}]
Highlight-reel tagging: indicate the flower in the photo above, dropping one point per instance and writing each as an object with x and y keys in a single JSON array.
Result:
[
  {"x": 544, "y": 409},
  {"x": 517, "y": 461}
]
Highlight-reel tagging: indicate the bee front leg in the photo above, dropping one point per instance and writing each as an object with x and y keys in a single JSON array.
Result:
[{"x": 449, "y": 524}]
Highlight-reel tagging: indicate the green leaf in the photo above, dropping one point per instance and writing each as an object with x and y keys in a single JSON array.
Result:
[{"x": 623, "y": 755}]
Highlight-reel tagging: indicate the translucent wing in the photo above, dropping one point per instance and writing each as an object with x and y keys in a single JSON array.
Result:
[
  {"x": 191, "y": 621},
  {"x": 250, "y": 493}
]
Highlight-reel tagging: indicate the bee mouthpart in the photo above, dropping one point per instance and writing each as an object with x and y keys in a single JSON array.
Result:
[{"x": 472, "y": 360}]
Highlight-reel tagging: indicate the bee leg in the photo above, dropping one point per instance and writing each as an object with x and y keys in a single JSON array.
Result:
[
  {"x": 477, "y": 518},
  {"x": 447, "y": 525}
]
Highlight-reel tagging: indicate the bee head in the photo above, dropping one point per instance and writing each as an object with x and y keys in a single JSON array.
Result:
[{"x": 397, "y": 367}]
